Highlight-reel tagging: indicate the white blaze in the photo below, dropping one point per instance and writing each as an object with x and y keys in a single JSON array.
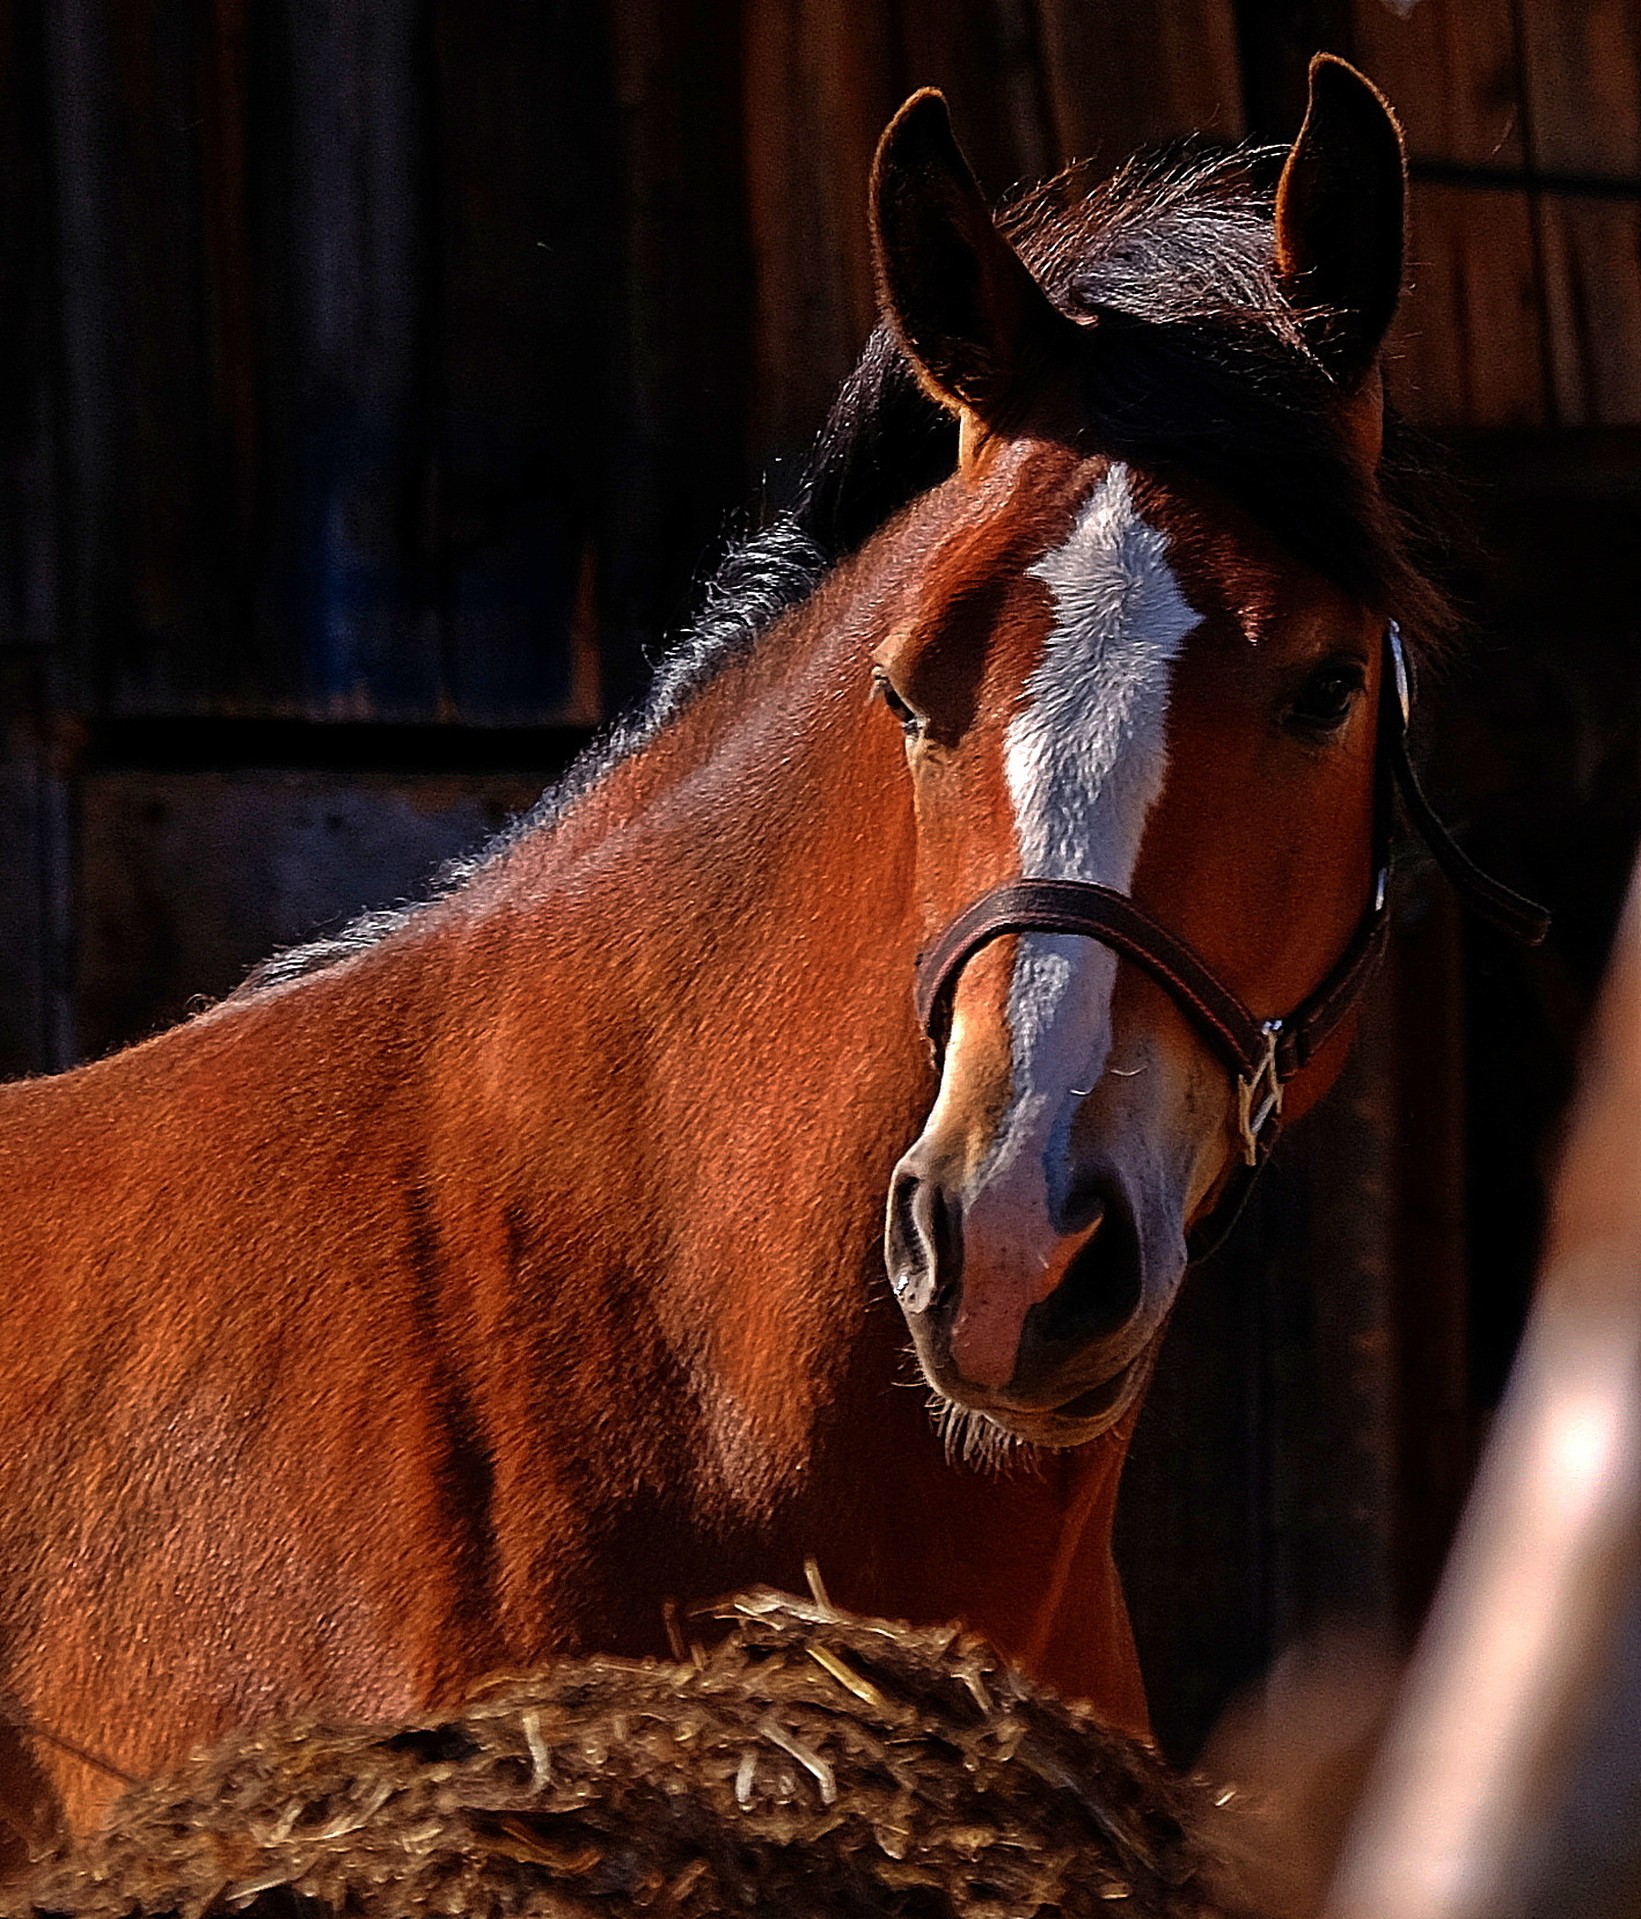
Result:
[{"x": 1084, "y": 759}]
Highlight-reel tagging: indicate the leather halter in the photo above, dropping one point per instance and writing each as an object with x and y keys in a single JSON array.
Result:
[{"x": 1262, "y": 1055}]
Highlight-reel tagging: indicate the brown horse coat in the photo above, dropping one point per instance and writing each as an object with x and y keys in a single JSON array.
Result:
[
  {"x": 454, "y": 1304},
  {"x": 364, "y": 1335}
]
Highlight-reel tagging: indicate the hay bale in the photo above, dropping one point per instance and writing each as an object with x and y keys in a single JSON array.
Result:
[{"x": 810, "y": 1763}]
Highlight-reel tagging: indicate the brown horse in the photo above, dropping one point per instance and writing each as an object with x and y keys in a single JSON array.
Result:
[{"x": 454, "y": 1293}]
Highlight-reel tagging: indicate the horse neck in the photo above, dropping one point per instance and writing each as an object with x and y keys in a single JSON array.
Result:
[
  {"x": 768, "y": 826},
  {"x": 696, "y": 1003},
  {"x": 693, "y": 1007}
]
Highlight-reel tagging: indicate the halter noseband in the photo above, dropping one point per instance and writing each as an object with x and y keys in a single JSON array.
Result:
[{"x": 1262, "y": 1055}]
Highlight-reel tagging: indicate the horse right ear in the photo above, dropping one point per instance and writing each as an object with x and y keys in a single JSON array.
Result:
[
  {"x": 1341, "y": 213},
  {"x": 975, "y": 325}
]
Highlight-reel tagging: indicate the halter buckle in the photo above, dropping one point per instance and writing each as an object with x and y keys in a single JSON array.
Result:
[{"x": 1259, "y": 1097}]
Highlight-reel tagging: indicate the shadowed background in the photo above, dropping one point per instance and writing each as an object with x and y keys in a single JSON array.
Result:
[{"x": 377, "y": 378}]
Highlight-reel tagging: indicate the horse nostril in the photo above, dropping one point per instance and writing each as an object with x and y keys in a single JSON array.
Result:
[
  {"x": 1085, "y": 1213},
  {"x": 921, "y": 1250},
  {"x": 1100, "y": 1290}
]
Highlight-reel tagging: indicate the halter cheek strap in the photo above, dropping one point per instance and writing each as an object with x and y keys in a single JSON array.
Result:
[{"x": 1261, "y": 1055}]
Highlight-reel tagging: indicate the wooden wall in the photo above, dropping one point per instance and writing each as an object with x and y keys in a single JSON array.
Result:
[{"x": 378, "y": 378}]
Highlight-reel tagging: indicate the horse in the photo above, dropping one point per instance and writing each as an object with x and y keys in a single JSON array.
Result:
[{"x": 462, "y": 1289}]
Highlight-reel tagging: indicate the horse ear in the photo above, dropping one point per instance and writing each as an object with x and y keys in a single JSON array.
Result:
[
  {"x": 1341, "y": 213},
  {"x": 973, "y": 322}
]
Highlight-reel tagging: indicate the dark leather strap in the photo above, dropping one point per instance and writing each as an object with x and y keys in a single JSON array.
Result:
[
  {"x": 1511, "y": 912},
  {"x": 1262, "y": 1055},
  {"x": 1216, "y": 1226},
  {"x": 1112, "y": 918}
]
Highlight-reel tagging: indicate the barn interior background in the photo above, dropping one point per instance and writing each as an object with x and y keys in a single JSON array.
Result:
[{"x": 377, "y": 379}]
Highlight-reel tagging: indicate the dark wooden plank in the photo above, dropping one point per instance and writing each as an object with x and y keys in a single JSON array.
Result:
[
  {"x": 165, "y": 513},
  {"x": 1582, "y": 61},
  {"x": 36, "y": 1015},
  {"x": 230, "y": 269},
  {"x": 29, "y": 443},
  {"x": 1538, "y": 747},
  {"x": 1582, "y": 68},
  {"x": 188, "y": 879},
  {"x": 1121, "y": 77},
  {"x": 820, "y": 80},
  {"x": 34, "y": 855},
  {"x": 90, "y": 564},
  {"x": 155, "y": 356},
  {"x": 527, "y": 300},
  {"x": 1592, "y": 273},
  {"x": 678, "y": 434},
  {"x": 342, "y": 171},
  {"x": 238, "y": 228},
  {"x": 1451, "y": 70},
  {"x": 1468, "y": 347},
  {"x": 1330, "y": 1445},
  {"x": 1436, "y": 1425}
]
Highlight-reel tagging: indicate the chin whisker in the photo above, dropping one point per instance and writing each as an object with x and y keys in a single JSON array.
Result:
[
  {"x": 975, "y": 1440},
  {"x": 971, "y": 1438}
]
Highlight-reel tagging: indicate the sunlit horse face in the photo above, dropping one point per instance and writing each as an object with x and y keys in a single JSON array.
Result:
[{"x": 1104, "y": 677}]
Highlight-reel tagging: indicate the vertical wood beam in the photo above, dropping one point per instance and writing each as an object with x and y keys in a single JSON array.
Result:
[
  {"x": 35, "y": 1025},
  {"x": 354, "y": 163},
  {"x": 1276, "y": 39},
  {"x": 522, "y": 376},
  {"x": 678, "y": 452},
  {"x": 1126, "y": 77},
  {"x": 820, "y": 79}
]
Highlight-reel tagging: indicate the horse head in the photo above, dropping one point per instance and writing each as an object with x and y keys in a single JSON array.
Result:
[{"x": 1145, "y": 653}]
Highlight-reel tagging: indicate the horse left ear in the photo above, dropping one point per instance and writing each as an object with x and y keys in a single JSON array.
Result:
[
  {"x": 1341, "y": 215},
  {"x": 976, "y": 326}
]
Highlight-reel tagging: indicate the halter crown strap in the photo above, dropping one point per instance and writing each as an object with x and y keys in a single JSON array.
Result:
[{"x": 1261, "y": 1054}]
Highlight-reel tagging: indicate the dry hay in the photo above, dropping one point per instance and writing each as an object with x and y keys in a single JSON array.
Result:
[{"x": 811, "y": 1763}]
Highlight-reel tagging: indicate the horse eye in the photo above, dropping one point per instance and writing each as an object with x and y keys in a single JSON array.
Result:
[
  {"x": 909, "y": 720},
  {"x": 1325, "y": 700}
]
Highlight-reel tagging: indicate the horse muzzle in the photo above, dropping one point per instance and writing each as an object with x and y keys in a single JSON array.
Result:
[{"x": 1041, "y": 1326}]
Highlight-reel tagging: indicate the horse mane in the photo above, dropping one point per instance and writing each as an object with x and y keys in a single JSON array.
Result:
[
  {"x": 759, "y": 578},
  {"x": 1204, "y": 372}
]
